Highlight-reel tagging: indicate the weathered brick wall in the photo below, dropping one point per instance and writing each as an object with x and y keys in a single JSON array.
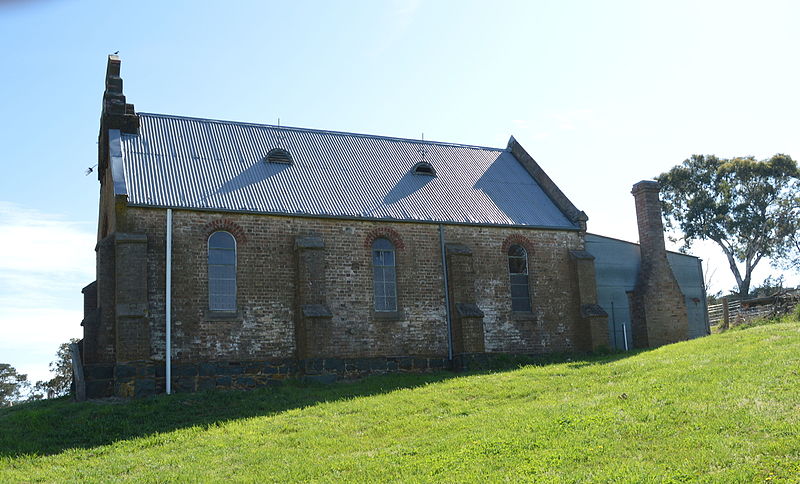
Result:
[
  {"x": 264, "y": 326},
  {"x": 467, "y": 318},
  {"x": 99, "y": 344},
  {"x": 132, "y": 324},
  {"x": 554, "y": 322},
  {"x": 594, "y": 316}
]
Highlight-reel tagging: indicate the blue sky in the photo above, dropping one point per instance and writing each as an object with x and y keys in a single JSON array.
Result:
[{"x": 602, "y": 94}]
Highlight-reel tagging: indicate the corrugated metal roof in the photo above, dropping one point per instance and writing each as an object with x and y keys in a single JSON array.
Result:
[{"x": 188, "y": 163}]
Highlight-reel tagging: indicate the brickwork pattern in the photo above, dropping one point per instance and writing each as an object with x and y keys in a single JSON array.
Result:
[
  {"x": 554, "y": 324},
  {"x": 130, "y": 297},
  {"x": 593, "y": 315},
  {"x": 264, "y": 325},
  {"x": 100, "y": 342},
  {"x": 468, "y": 333}
]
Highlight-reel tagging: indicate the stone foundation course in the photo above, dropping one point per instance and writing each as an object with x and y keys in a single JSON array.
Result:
[{"x": 141, "y": 379}]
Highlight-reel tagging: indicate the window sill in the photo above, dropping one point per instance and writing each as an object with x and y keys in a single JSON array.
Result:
[
  {"x": 523, "y": 316},
  {"x": 222, "y": 315},
  {"x": 387, "y": 315}
]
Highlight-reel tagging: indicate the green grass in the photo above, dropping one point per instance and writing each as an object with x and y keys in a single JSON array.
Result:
[{"x": 725, "y": 408}]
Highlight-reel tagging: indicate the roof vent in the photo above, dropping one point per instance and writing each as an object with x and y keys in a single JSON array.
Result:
[
  {"x": 424, "y": 168},
  {"x": 278, "y": 155}
]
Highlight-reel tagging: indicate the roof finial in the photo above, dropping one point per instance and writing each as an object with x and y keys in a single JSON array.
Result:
[
  {"x": 281, "y": 137},
  {"x": 422, "y": 151}
]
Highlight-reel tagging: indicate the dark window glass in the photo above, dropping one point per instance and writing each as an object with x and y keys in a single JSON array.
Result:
[
  {"x": 221, "y": 272},
  {"x": 383, "y": 275},
  {"x": 279, "y": 155},
  {"x": 424, "y": 168},
  {"x": 517, "y": 265},
  {"x": 518, "y": 272},
  {"x": 517, "y": 251}
]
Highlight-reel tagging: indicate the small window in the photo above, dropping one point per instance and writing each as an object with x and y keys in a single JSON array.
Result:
[
  {"x": 384, "y": 275},
  {"x": 518, "y": 271},
  {"x": 221, "y": 272},
  {"x": 424, "y": 168},
  {"x": 278, "y": 155}
]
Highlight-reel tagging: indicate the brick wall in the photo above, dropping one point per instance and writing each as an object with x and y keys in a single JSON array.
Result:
[
  {"x": 264, "y": 326},
  {"x": 554, "y": 322}
]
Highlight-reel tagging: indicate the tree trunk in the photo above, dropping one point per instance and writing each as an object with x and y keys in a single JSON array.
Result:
[{"x": 744, "y": 287}]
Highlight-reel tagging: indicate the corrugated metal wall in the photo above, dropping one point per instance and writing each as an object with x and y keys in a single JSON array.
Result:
[
  {"x": 689, "y": 273},
  {"x": 617, "y": 266}
]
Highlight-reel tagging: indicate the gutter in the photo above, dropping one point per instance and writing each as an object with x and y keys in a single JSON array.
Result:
[{"x": 573, "y": 228}]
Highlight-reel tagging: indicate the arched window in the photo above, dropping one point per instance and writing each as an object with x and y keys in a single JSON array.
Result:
[
  {"x": 221, "y": 272},
  {"x": 384, "y": 278},
  {"x": 518, "y": 270},
  {"x": 424, "y": 168},
  {"x": 278, "y": 155}
]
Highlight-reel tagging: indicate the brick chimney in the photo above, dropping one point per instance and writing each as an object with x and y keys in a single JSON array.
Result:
[{"x": 659, "y": 310}]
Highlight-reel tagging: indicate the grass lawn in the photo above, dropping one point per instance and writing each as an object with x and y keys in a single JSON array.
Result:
[{"x": 725, "y": 408}]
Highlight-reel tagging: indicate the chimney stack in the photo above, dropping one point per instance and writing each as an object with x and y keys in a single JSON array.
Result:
[{"x": 659, "y": 308}]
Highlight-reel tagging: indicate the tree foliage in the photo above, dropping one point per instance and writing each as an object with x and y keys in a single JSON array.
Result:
[
  {"x": 789, "y": 253},
  {"x": 749, "y": 208},
  {"x": 12, "y": 385},
  {"x": 61, "y": 368}
]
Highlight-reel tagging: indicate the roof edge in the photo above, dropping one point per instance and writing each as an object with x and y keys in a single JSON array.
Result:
[
  {"x": 322, "y": 131},
  {"x": 548, "y": 186},
  {"x": 639, "y": 245}
]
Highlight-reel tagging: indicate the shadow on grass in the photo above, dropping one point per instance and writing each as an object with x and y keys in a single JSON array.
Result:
[
  {"x": 52, "y": 426},
  {"x": 573, "y": 360}
]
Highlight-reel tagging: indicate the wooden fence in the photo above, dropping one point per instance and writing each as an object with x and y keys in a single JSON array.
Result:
[{"x": 739, "y": 311}]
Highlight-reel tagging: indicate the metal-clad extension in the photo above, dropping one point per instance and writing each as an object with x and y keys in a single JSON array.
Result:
[{"x": 617, "y": 268}]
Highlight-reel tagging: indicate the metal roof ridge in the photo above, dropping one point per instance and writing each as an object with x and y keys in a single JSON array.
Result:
[{"x": 325, "y": 131}]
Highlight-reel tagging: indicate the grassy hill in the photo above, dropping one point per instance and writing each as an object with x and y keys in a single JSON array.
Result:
[{"x": 725, "y": 408}]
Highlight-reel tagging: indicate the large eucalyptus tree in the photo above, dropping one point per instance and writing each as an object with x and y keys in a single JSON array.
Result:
[{"x": 749, "y": 208}]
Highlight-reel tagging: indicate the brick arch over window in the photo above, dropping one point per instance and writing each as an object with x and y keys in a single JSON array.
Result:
[
  {"x": 384, "y": 233},
  {"x": 517, "y": 240},
  {"x": 226, "y": 225}
]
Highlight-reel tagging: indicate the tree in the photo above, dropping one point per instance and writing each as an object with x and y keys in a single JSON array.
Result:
[
  {"x": 12, "y": 385},
  {"x": 790, "y": 252},
  {"x": 747, "y": 207},
  {"x": 60, "y": 384}
]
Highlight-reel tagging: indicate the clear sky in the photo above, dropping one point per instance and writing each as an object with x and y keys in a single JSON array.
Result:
[{"x": 602, "y": 94}]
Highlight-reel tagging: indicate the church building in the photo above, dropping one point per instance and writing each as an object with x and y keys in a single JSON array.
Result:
[{"x": 236, "y": 255}]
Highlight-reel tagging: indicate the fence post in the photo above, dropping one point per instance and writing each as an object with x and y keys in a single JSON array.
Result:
[{"x": 725, "y": 313}]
